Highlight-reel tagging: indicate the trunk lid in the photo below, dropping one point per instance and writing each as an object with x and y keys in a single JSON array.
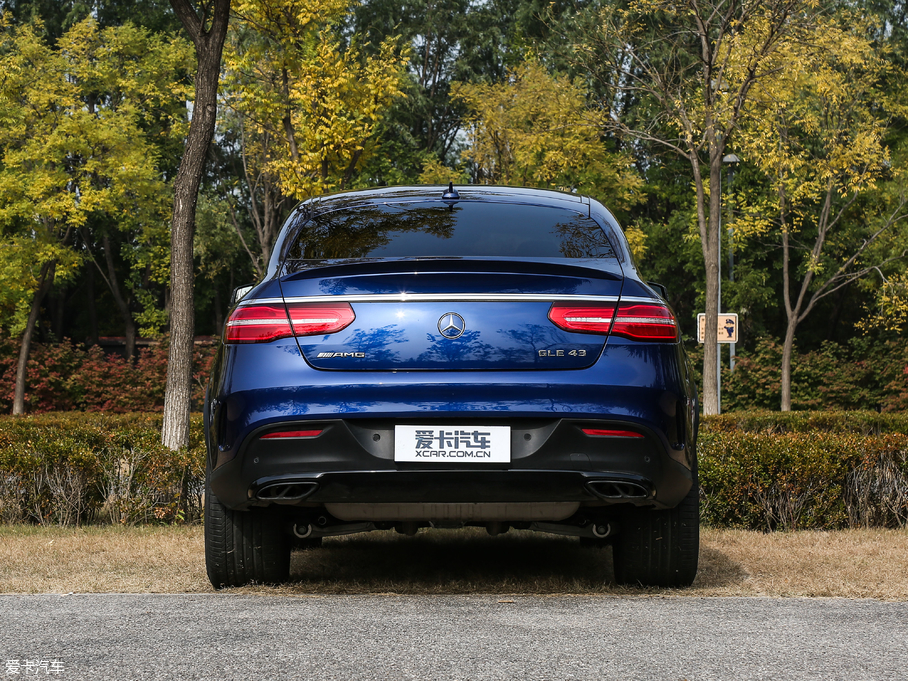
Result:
[{"x": 451, "y": 314}]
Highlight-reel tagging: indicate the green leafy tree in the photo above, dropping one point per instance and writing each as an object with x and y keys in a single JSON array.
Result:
[
  {"x": 74, "y": 149},
  {"x": 818, "y": 136},
  {"x": 58, "y": 16},
  {"x": 456, "y": 41}
]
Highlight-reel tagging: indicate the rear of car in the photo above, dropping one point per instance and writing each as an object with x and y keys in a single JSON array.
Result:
[{"x": 484, "y": 356}]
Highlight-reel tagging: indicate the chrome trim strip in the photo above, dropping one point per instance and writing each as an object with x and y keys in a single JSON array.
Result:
[
  {"x": 447, "y": 297},
  {"x": 640, "y": 299}
]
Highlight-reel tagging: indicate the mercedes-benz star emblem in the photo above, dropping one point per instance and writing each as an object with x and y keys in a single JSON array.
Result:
[{"x": 451, "y": 325}]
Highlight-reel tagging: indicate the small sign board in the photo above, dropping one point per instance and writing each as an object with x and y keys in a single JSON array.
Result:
[{"x": 727, "y": 331}]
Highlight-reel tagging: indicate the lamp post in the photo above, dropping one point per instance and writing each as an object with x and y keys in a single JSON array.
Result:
[{"x": 731, "y": 160}]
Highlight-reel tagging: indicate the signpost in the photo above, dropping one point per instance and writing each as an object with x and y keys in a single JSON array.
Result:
[{"x": 727, "y": 331}]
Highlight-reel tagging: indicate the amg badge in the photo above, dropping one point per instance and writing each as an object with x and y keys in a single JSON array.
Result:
[{"x": 327, "y": 355}]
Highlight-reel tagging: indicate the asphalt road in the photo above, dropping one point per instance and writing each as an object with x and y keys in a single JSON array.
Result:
[{"x": 221, "y": 636}]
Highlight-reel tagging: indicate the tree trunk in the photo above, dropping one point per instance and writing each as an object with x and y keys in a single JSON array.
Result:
[
  {"x": 711, "y": 397},
  {"x": 787, "y": 351},
  {"x": 45, "y": 280},
  {"x": 792, "y": 311},
  {"x": 208, "y": 47}
]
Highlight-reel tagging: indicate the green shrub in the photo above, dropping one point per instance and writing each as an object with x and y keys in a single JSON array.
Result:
[
  {"x": 860, "y": 374},
  {"x": 70, "y": 468},
  {"x": 864, "y": 373},
  {"x": 803, "y": 480},
  {"x": 804, "y": 470}
]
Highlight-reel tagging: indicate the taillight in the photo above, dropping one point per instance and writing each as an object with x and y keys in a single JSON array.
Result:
[
  {"x": 265, "y": 323},
  {"x": 310, "y": 319},
  {"x": 645, "y": 322},
  {"x": 582, "y": 318},
  {"x": 638, "y": 321},
  {"x": 258, "y": 324}
]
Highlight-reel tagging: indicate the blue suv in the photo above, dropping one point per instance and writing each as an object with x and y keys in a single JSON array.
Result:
[{"x": 439, "y": 357}]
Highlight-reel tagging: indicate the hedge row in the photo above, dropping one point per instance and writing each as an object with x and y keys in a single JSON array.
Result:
[
  {"x": 766, "y": 471},
  {"x": 74, "y": 467},
  {"x": 804, "y": 470},
  {"x": 803, "y": 480},
  {"x": 771, "y": 422}
]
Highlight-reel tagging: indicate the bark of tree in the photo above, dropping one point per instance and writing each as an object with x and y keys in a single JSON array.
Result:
[
  {"x": 207, "y": 32},
  {"x": 45, "y": 281},
  {"x": 787, "y": 351},
  {"x": 711, "y": 255}
]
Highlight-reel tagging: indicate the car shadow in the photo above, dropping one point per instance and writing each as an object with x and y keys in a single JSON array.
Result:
[
  {"x": 470, "y": 561},
  {"x": 716, "y": 570}
]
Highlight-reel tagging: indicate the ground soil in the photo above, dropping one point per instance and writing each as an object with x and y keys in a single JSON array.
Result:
[{"x": 845, "y": 564}]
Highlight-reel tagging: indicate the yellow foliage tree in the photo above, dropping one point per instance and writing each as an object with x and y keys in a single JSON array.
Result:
[
  {"x": 678, "y": 76},
  {"x": 303, "y": 105},
  {"x": 536, "y": 129},
  {"x": 817, "y": 135},
  {"x": 891, "y": 306}
]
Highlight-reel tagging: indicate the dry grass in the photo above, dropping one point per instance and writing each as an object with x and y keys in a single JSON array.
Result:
[
  {"x": 847, "y": 564},
  {"x": 102, "y": 559}
]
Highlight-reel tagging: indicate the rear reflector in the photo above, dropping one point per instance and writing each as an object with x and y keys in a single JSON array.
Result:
[
  {"x": 265, "y": 323},
  {"x": 599, "y": 432},
  {"x": 637, "y": 321},
  {"x": 291, "y": 435}
]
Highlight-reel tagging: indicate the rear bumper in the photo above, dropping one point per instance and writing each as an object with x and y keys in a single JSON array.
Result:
[
  {"x": 266, "y": 387},
  {"x": 552, "y": 461}
]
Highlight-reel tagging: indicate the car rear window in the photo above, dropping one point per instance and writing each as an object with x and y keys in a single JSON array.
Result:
[{"x": 463, "y": 229}]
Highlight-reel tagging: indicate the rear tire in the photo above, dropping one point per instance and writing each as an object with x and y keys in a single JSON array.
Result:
[
  {"x": 660, "y": 548},
  {"x": 244, "y": 546}
]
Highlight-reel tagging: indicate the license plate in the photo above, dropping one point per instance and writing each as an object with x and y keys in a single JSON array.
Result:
[{"x": 452, "y": 444}]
